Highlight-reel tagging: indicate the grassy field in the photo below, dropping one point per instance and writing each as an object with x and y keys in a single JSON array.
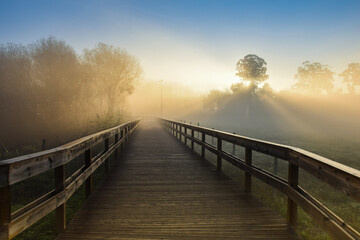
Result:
[{"x": 346, "y": 152}]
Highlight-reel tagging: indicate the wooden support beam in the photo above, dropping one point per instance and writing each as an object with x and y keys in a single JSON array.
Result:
[
  {"x": 293, "y": 181},
  {"x": 219, "y": 149},
  {"x": 60, "y": 211},
  {"x": 248, "y": 162},
  {"x": 88, "y": 183}
]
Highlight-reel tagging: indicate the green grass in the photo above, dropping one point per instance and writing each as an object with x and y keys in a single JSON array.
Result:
[
  {"x": 340, "y": 204},
  {"x": 44, "y": 228}
]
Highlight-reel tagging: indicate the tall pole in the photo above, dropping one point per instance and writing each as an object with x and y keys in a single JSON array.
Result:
[{"x": 161, "y": 101}]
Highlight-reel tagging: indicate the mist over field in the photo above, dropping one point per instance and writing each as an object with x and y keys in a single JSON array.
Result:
[{"x": 282, "y": 71}]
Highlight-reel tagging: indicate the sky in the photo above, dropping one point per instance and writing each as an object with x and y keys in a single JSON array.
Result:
[{"x": 197, "y": 43}]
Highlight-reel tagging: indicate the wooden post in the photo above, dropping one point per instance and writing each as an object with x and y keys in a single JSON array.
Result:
[
  {"x": 202, "y": 146},
  {"x": 233, "y": 148},
  {"x": 107, "y": 162},
  {"x": 121, "y": 137},
  {"x": 192, "y": 139},
  {"x": 181, "y": 133},
  {"x": 5, "y": 212},
  {"x": 219, "y": 148},
  {"x": 60, "y": 211},
  {"x": 185, "y": 138},
  {"x": 293, "y": 180},
  {"x": 212, "y": 139},
  {"x": 198, "y": 136},
  {"x": 116, "y": 152},
  {"x": 88, "y": 182},
  {"x": 248, "y": 162}
]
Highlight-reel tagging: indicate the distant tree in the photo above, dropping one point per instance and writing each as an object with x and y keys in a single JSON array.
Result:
[
  {"x": 314, "y": 78},
  {"x": 114, "y": 71},
  {"x": 252, "y": 68},
  {"x": 57, "y": 73},
  {"x": 351, "y": 77},
  {"x": 15, "y": 79},
  {"x": 214, "y": 100},
  {"x": 58, "y": 79}
]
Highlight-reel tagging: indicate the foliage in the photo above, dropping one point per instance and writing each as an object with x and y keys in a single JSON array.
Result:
[
  {"x": 351, "y": 77},
  {"x": 52, "y": 93},
  {"x": 252, "y": 68},
  {"x": 314, "y": 77},
  {"x": 114, "y": 71}
]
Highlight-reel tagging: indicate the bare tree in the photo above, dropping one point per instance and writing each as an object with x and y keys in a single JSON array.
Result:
[{"x": 114, "y": 71}]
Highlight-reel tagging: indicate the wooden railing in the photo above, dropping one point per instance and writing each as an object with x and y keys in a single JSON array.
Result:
[
  {"x": 21, "y": 168},
  {"x": 337, "y": 175}
]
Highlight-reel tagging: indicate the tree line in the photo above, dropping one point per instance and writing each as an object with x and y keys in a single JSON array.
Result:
[
  {"x": 312, "y": 78},
  {"x": 48, "y": 91}
]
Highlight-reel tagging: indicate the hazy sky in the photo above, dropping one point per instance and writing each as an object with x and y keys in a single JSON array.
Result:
[{"x": 197, "y": 42}]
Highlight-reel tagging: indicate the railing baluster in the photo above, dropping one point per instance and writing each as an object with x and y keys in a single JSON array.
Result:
[
  {"x": 192, "y": 139},
  {"x": 121, "y": 137},
  {"x": 107, "y": 162},
  {"x": 116, "y": 152},
  {"x": 178, "y": 128},
  {"x": 88, "y": 182},
  {"x": 5, "y": 211},
  {"x": 203, "y": 147},
  {"x": 198, "y": 136},
  {"x": 185, "y": 137},
  {"x": 248, "y": 162},
  {"x": 60, "y": 211},
  {"x": 219, "y": 148},
  {"x": 233, "y": 147},
  {"x": 293, "y": 180}
]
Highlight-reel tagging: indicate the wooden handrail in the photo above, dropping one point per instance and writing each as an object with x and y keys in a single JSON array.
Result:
[
  {"x": 337, "y": 175},
  {"x": 21, "y": 168}
]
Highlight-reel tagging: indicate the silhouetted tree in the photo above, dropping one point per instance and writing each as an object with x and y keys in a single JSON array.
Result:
[
  {"x": 252, "y": 68},
  {"x": 314, "y": 77},
  {"x": 114, "y": 71},
  {"x": 351, "y": 76}
]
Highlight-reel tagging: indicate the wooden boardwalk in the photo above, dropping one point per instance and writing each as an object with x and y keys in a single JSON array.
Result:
[{"x": 160, "y": 190}]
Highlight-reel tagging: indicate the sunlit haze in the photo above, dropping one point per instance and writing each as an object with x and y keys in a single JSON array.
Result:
[{"x": 197, "y": 43}]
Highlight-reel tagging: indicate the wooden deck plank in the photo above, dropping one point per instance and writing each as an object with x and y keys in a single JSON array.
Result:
[{"x": 159, "y": 190}]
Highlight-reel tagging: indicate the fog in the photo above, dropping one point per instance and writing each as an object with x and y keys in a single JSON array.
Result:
[
  {"x": 48, "y": 91},
  {"x": 282, "y": 116},
  {"x": 160, "y": 98}
]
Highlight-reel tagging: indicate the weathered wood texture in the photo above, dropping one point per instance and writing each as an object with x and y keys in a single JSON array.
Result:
[
  {"x": 12, "y": 224},
  {"x": 337, "y": 175},
  {"x": 159, "y": 190}
]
